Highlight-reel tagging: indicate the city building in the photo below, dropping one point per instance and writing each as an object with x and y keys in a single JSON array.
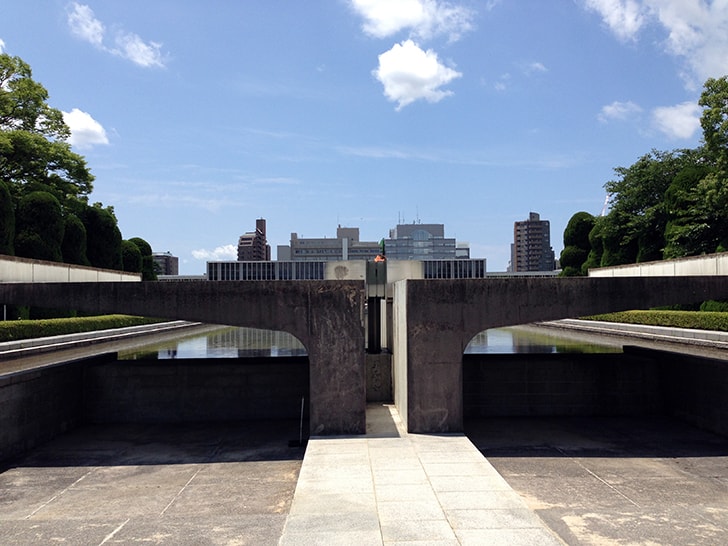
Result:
[
  {"x": 165, "y": 263},
  {"x": 253, "y": 246},
  {"x": 531, "y": 249},
  {"x": 346, "y": 246},
  {"x": 423, "y": 242}
]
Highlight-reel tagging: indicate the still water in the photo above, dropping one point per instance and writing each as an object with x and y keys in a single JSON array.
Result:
[{"x": 230, "y": 342}]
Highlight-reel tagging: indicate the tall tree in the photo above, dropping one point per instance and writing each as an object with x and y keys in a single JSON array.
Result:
[
  {"x": 33, "y": 147},
  {"x": 148, "y": 271},
  {"x": 103, "y": 238},
  {"x": 7, "y": 221},
  {"x": 40, "y": 227},
  {"x": 576, "y": 244}
]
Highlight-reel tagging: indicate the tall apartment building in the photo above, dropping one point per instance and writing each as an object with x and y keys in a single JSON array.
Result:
[
  {"x": 346, "y": 246},
  {"x": 253, "y": 246},
  {"x": 165, "y": 263},
  {"x": 423, "y": 242},
  {"x": 531, "y": 249}
]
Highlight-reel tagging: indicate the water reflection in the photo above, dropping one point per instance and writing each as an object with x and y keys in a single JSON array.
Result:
[
  {"x": 227, "y": 342},
  {"x": 523, "y": 340}
]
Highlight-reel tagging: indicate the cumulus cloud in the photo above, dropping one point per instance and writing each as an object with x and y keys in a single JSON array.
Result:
[
  {"x": 84, "y": 25},
  {"x": 623, "y": 17},
  {"x": 85, "y": 130},
  {"x": 696, "y": 30},
  {"x": 681, "y": 121},
  {"x": 620, "y": 111},
  {"x": 221, "y": 253},
  {"x": 409, "y": 73},
  {"x": 423, "y": 18}
]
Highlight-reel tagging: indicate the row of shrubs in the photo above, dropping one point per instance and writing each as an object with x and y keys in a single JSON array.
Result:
[
  {"x": 14, "y": 330},
  {"x": 703, "y": 320}
]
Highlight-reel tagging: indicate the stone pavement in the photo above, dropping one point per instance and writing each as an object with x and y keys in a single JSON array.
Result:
[{"x": 390, "y": 487}]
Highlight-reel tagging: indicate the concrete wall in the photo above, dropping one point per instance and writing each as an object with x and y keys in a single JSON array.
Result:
[
  {"x": 711, "y": 264},
  {"x": 561, "y": 385},
  {"x": 326, "y": 316},
  {"x": 444, "y": 315},
  {"x": 13, "y": 269},
  {"x": 178, "y": 391},
  {"x": 37, "y": 405}
]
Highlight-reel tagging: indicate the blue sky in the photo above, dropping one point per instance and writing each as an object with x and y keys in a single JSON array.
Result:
[{"x": 196, "y": 118}]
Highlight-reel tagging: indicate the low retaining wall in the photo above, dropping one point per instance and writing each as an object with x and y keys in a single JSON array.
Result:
[
  {"x": 39, "y": 404},
  {"x": 192, "y": 390},
  {"x": 560, "y": 384}
]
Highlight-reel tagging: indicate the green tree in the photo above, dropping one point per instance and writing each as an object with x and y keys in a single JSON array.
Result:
[
  {"x": 131, "y": 257},
  {"x": 33, "y": 147},
  {"x": 576, "y": 244},
  {"x": 149, "y": 272},
  {"x": 7, "y": 221},
  {"x": 74, "y": 241},
  {"x": 714, "y": 120},
  {"x": 40, "y": 226},
  {"x": 103, "y": 238}
]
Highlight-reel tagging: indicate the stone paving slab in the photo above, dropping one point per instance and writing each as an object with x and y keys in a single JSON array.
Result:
[{"x": 405, "y": 489}]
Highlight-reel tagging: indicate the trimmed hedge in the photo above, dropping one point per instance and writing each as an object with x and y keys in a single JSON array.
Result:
[
  {"x": 14, "y": 330},
  {"x": 697, "y": 320}
]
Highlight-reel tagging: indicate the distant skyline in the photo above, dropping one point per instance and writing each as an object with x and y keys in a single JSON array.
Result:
[{"x": 197, "y": 118}]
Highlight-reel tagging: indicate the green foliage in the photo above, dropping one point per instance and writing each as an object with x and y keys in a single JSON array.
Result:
[
  {"x": 578, "y": 229},
  {"x": 714, "y": 306},
  {"x": 714, "y": 120},
  {"x": 7, "y": 221},
  {"x": 103, "y": 238},
  {"x": 675, "y": 319},
  {"x": 573, "y": 257},
  {"x": 73, "y": 246},
  {"x": 13, "y": 330},
  {"x": 131, "y": 257},
  {"x": 148, "y": 270},
  {"x": 40, "y": 227}
]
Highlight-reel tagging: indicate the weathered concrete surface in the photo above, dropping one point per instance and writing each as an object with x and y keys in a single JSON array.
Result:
[
  {"x": 613, "y": 480},
  {"x": 210, "y": 483},
  {"x": 435, "y": 320},
  {"x": 326, "y": 316}
]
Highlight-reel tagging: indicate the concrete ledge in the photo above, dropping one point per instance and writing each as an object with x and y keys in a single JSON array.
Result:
[
  {"x": 26, "y": 347},
  {"x": 703, "y": 338}
]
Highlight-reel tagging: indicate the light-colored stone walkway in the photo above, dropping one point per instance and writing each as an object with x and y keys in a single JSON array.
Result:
[{"x": 391, "y": 488}]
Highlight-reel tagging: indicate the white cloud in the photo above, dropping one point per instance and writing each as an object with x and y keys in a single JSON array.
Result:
[
  {"x": 623, "y": 17},
  {"x": 696, "y": 30},
  {"x": 620, "y": 111},
  {"x": 132, "y": 47},
  {"x": 409, "y": 73},
  {"x": 536, "y": 67},
  {"x": 680, "y": 121},
  {"x": 221, "y": 253},
  {"x": 85, "y": 130},
  {"x": 423, "y": 18},
  {"x": 127, "y": 45}
]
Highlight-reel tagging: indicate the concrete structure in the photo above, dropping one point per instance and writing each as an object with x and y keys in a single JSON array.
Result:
[
  {"x": 531, "y": 249},
  {"x": 325, "y": 316},
  {"x": 253, "y": 245},
  {"x": 433, "y": 321},
  {"x": 423, "y": 242},
  {"x": 165, "y": 263},
  {"x": 14, "y": 269},
  {"x": 346, "y": 246},
  {"x": 710, "y": 264}
]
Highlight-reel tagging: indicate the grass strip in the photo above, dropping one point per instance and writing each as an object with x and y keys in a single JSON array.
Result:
[
  {"x": 15, "y": 330},
  {"x": 695, "y": 320}
]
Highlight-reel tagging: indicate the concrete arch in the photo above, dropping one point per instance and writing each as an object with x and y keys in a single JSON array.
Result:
[
  {"x": 435, "y": 319},
  {"x": 326, "y": 316}
]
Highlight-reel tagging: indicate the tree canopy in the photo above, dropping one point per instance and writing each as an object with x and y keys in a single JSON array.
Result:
[
  {"x": 44, "y": 185},
  {"x": 668, "y": 204}
]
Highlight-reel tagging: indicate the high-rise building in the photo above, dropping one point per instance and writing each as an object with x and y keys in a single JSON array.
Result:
[
  {"x": 423, "y": 242},
  {"x": 165, "y": 263},
  {"x": 253, "y": 246},
  {"x": 346, "y": 246},
  {"x": 531, "y": 249}
]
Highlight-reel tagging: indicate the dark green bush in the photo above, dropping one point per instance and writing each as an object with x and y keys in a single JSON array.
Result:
[
  {"x": 677, "y": 319},
  {"x": 14, "y": 330}
]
